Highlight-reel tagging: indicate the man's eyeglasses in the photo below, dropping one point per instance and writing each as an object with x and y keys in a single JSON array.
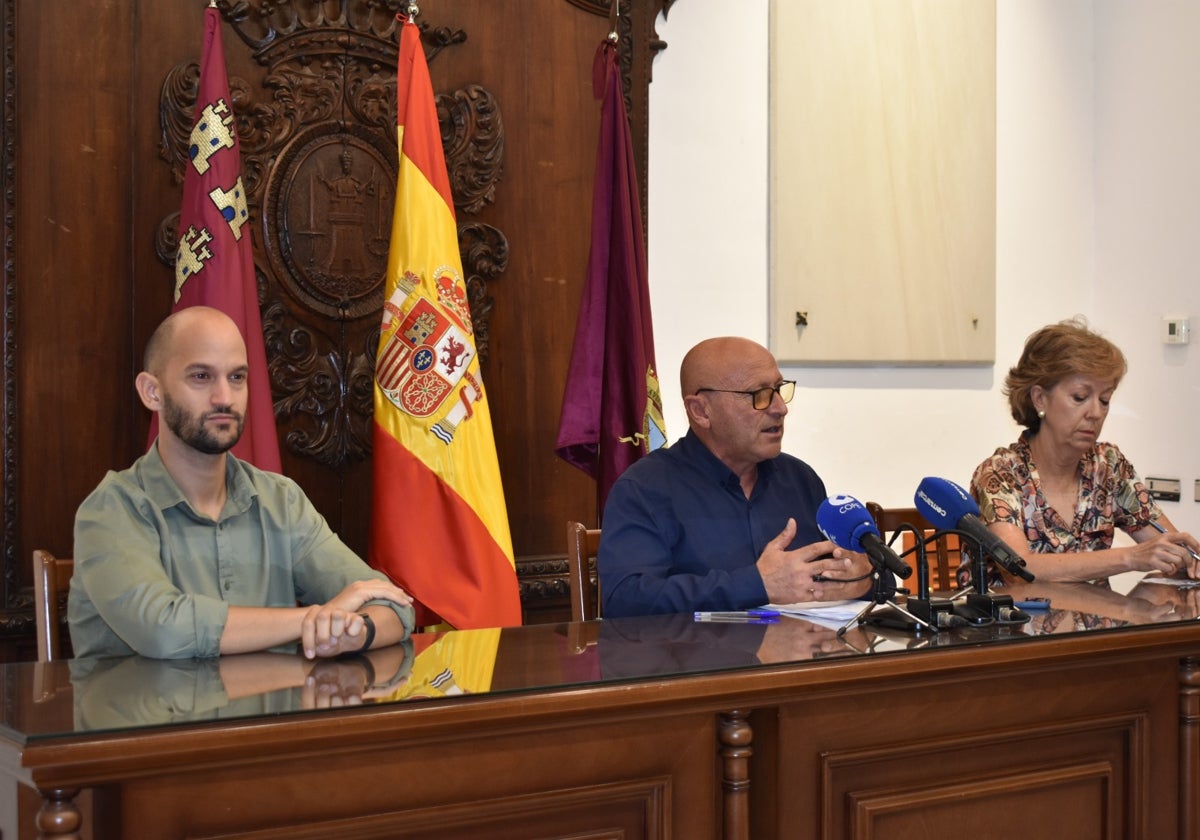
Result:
[{"x": 763, "y": 396}]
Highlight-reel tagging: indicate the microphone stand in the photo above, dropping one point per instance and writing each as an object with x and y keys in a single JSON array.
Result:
[
  {"x": 880, "y": 597},
  {"x": 884, "y": 639},
  {"x": 878, "y": 636},
  {"x": 981, "y": 607},
  {"x": 935, "y": 612}
]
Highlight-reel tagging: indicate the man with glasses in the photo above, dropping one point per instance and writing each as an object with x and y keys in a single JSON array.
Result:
[{"x": 723, "y": 519}]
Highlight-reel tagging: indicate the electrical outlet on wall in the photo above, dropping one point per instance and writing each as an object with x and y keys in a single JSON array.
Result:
[{"x": 1164, "y": 489}]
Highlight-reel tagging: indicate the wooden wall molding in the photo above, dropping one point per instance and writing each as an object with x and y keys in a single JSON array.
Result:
[{"x": 17, "y": 615}]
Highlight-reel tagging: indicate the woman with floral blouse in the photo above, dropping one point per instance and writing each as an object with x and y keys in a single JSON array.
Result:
[{"x": 1058, "y": 493}]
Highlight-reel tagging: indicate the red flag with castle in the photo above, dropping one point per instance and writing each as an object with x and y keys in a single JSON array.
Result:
[
  {"x": 214, "y": 265},
  {"x": 439, "y": 524}
]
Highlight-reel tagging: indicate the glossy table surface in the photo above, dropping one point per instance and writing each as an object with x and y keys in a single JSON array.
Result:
[{"x": 45, "y": 702}]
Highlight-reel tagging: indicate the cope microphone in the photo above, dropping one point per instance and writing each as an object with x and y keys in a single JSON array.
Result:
[
  {"x": 949, "y": 507},
  {"x": 847, "y": 523}
]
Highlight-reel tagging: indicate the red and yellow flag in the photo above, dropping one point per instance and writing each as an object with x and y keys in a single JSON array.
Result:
[
  {"x": 214, "y": 265},
  {"x": 439, "y": 527},
  {"x": 449, "y": 665}
]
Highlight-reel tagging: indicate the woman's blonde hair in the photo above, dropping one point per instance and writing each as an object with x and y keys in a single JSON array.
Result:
[{"x": 1053, "y": 353}]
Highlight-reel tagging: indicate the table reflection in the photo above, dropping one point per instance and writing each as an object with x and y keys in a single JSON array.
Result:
[
  {"x": 1083, "y": 606},
  {"x": 136, "y": 691},
  {"x": 669, "y": 644},
  {"x": 110, "y": 694}
]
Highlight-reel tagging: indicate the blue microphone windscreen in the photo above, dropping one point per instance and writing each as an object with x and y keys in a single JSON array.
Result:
[
  {"x": 943, "y": 502},
  {"x": 844, "y": 521}
]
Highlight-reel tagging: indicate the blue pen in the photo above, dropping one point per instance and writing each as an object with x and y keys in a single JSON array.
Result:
[{"x": 759, "y": 616}]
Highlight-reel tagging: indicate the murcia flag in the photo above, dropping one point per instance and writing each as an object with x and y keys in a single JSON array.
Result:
[
  {"x": 439, "y": 527},
  {"x": 612, "y": 404},
  {"x": 214, "y": 265}
]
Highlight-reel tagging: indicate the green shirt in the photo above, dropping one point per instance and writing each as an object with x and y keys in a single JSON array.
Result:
[{"x": 153, "y": 576}]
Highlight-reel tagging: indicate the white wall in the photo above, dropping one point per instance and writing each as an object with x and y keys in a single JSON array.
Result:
[
  {"x": 1147, "y": 210},
  {"x": 1096, "y": 195}
]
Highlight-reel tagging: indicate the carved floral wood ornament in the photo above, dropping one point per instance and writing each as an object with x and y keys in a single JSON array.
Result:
[{"x": 319, "y": 162}]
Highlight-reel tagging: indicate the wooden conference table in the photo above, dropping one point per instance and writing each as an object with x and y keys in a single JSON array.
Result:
[{"x": 1084, "y": 723}]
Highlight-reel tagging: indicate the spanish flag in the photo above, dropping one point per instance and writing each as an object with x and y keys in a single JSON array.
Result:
[
  {"x": 439, "y": 527},
  {"x": 450, "y": 665},
  {"x": 214, "y": 265}
]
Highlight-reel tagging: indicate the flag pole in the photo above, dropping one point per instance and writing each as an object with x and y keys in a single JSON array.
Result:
[{"x": 614, "y": 17}]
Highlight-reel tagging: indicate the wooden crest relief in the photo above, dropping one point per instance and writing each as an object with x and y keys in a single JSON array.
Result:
[
  {"x": 313, "y": 85},
  {"x": 319, "y": 161}
]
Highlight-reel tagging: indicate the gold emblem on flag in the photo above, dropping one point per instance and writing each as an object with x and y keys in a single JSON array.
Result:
[{"x": 427, "y": 353}]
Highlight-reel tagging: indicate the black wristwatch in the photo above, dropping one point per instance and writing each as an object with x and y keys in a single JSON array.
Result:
[{"x": 369, "y": 624}]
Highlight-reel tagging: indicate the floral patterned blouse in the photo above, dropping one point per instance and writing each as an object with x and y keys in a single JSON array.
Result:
[{"x": 1111, "y": 495}]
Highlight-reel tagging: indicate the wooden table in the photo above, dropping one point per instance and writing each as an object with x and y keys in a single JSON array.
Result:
[{"x": 1081, "y": 724}]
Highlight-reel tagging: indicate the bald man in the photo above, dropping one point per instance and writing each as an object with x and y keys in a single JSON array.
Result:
[
  {"x": 193, "y": 553},
  {"x": 722, "y": 520}
]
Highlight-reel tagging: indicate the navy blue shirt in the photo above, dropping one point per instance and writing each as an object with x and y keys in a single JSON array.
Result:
[{"x": 680, "y": 535}]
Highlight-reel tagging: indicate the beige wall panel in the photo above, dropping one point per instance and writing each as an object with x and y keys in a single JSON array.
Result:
[{"x": 883, "y": 181}]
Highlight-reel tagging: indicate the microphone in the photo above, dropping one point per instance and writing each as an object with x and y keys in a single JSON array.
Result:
[
  {"x": 847, "y": 523},
  {"x": 948, "y": 507}
]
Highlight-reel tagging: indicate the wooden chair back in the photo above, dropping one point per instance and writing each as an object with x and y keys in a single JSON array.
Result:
[
  {"x": 51, "y": 578},
  {"x": 942, "y": 554},
  {"x": 583, "y": 543}
]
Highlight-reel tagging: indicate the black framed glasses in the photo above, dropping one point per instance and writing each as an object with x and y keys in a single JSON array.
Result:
[{"x": 763, "y": 396}]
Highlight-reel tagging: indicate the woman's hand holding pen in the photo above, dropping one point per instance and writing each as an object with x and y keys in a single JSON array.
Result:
[{"x": 1181, "y": 547}]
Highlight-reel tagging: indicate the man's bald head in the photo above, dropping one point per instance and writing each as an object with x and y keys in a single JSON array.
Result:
[
  {"x": 165, "y": 337},
  {"x": 719, "y": 377},
  {"x": 195, "y": 378},
  {"x": 721, "y": 363}
]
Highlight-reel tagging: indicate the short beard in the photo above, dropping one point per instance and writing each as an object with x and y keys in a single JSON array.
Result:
[{"x": 192, "y": 431}]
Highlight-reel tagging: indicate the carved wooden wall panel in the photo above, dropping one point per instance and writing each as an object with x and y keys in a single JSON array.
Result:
[
  {"x": 317, "y": 124},
  {"x": 97, "y": 103}
]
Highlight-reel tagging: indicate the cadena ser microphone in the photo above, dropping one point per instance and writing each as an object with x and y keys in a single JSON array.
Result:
[
  {"x": 847, "y": 523},
  {"x": 949, "y": 507}
]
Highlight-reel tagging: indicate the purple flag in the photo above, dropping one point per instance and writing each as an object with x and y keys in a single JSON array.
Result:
[{"x": 612, "y": 405}]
